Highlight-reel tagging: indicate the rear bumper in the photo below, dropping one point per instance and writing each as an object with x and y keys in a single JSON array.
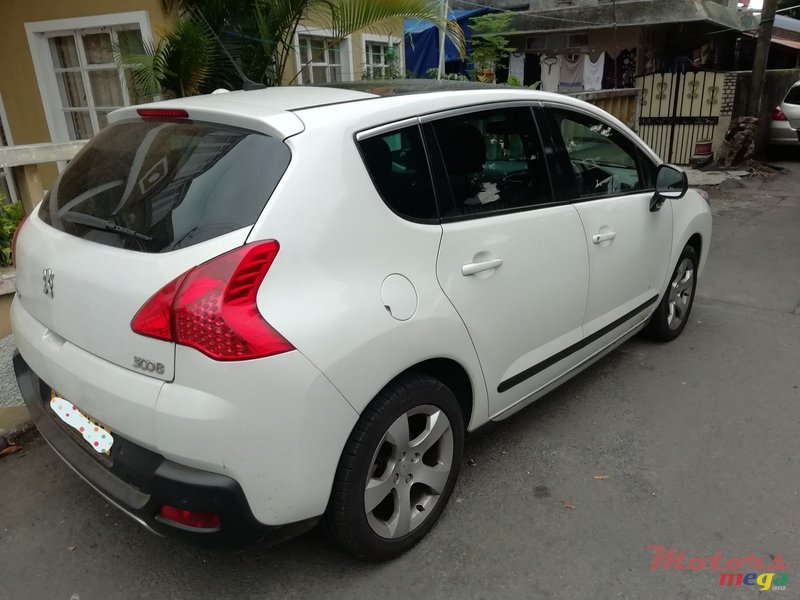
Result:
[
  {"x": 139, "y": 481},
  {"x": 783, "y": 134}
]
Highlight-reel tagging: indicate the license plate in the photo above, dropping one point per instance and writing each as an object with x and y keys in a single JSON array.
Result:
[{"x": 97, "y": 435}]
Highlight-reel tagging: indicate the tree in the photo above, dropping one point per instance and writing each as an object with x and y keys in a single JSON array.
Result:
[
  {"x": 489, "y": 43},
  {"x": 255, "y": 38}
]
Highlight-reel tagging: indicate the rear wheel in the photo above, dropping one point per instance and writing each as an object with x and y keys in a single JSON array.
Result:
[
  {"x": 672, "y": 314},
  {"x": 398, "y": 469}
]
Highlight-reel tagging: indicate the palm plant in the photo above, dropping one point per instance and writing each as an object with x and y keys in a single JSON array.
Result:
[
  {"x": 178, "y": 65},
  {"x": 216, "y": 42}
]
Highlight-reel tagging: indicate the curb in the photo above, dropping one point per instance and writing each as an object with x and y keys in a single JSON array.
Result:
[{"x": 14, "y": 420}]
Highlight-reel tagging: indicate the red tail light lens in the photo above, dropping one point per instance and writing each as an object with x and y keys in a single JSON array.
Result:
[
  {"x": 190, "y": 518},
  {"x": 14, "y": 241},
  {"x": 777, "y": 114},
  {"x": 212, "y": 307},
  {"x": 163, "y": 113}
]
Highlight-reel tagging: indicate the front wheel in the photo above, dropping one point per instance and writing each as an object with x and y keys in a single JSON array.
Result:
[
  {"x": 672, "y": 314},
  {"x": 398, "y": 469}
]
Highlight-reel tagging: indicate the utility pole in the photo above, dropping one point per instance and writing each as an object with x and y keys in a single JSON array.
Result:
[
  {"x": 442, "y": 37},
  {"x": 756, "y": 99}
]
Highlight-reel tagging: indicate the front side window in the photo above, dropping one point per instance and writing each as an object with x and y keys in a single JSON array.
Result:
[
  {"x": 494, "y": 162},
  {"x": 604, "y": 161},
  {"x": 90, "y": 81},
  {"x": 320, "y": 59},
  {"x": 399, "y": 169}
]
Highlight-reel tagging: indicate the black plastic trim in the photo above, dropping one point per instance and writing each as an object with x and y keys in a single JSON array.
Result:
[
  {"x": 139, "y": 481},
  {"x": 559, "y": 356}
]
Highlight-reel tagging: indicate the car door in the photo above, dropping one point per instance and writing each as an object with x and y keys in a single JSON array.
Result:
[
  {"x": 512, "y": 261},
  {"x": 610, "y": 181}
]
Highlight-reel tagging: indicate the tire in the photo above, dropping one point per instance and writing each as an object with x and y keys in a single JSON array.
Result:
[
  {"x": 672, "y": 314},
  {"x": 379, "y": 453}
]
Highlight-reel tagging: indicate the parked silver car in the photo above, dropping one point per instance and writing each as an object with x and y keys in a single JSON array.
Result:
[{"x": 785, "y": 120}]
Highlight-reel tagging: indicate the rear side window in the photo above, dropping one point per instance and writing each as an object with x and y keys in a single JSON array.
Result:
[
  {"x": 494, "y": 162},
  {"x": 793, "y": 96},
  {"x": 398, "y": 166},
  {"x": 156, "y": 186}
]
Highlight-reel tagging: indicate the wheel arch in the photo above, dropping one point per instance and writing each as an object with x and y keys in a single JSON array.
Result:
[{"x": 452, "y": 374}]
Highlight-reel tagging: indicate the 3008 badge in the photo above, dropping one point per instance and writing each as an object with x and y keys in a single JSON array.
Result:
[{"x": 148, "y": 365}]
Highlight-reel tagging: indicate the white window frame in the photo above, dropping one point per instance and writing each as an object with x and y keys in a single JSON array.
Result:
[
  {"x": 39, "y": 32},
  {"x": 367, "y": 38},
  {"x": 6, "y": 171},
  {"x": 345, "y": 51}
]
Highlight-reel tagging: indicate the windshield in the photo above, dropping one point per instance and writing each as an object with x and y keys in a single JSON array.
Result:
[{"x": 156, "y": 186}]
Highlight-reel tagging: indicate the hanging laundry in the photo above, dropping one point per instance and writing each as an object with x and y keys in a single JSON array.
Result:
[
  {"x": 551, "y": 73},
  {"x": 516, "y": 66},
  {"x": 571, "y": 79},
  {"x": 609, "y": 73},
  {"x": 626, "y": 68},
  {"x": 593, "y": 72}
]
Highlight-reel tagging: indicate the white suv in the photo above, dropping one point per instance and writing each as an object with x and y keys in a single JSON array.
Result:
[{"x": 242, "y": 313}]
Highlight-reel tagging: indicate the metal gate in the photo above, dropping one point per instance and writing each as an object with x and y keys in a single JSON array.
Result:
[{"x": 678, "y": 110}]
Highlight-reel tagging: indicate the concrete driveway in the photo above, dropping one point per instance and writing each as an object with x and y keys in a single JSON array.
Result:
[{"x": 698, "y": 438}]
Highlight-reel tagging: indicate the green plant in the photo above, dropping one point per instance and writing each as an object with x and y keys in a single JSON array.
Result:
[
  {"x": 10, "y": 217},
  {"x": 433, "y": 73},
  {"x": 489, "y": 43},
  {"x": 514, "y": 81},
  {"x": 178, "y": 65}
]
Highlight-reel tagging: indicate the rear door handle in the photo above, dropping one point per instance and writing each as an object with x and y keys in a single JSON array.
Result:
[
  {"x": 472, "y": 268},
  {"x": 599, "y": 238}
]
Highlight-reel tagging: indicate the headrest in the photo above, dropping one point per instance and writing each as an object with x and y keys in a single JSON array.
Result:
[
  {"x": 463, "y": 149},
  {"x": 378, "y": 156}
]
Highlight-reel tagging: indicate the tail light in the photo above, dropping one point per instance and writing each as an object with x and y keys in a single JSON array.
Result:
[
  {"x": 212, "y": 307},
  {"x": 189, "y": 518},
  {"x": 162, "y": 113},
  {"x": 777, "y": 114},
  {"x": 14, "y": 241}
]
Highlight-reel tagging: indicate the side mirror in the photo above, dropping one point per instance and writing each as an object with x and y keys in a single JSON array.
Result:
[{"x": 671, "y": 184}]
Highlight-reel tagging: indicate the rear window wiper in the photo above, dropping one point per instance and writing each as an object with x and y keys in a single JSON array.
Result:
[{"x": 102, "y": 224}]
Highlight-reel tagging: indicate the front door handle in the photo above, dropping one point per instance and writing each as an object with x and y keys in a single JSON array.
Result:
[
  {"x": 477, "y": 267},
  {"x": 603, "y": 237}
]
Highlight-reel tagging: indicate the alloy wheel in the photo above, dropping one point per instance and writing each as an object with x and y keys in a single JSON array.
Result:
[
  {"x": 680, "y": 293},
  {"x": 409, "y": 471}
]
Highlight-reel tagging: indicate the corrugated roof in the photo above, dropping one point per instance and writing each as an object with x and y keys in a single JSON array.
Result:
[{"x": 787, "y": 23}]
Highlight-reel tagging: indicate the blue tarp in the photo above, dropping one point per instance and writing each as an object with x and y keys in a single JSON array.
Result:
[{"x": 422, "y": 41}]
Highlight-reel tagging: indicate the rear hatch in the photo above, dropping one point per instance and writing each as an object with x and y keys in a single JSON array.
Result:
[
  {"x": 791, "y": 106},
  {"x": 143, "y": 202}
]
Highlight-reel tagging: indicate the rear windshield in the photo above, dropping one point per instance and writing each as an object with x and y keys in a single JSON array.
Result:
[
  {"x": 793, "y": 97},
  {"x": 156, "y": 186}
]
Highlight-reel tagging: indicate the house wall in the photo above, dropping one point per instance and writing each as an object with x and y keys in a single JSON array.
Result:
[
  {"x": 18, "y": 84},
  {"x": 355, "y": 44}
]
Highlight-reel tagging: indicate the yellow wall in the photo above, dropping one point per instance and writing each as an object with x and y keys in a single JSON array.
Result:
[{"x": 18, "y": 85}]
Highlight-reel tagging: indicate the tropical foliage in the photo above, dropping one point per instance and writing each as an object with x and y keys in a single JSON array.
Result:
[
  {"x": 489, "y": 44},
  {"x": 216, "y": 42},
  {"x": 10, "y": 217}
]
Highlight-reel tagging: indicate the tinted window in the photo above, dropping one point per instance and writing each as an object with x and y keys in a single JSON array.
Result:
[
  {"x": 604, "y": 161},
  {"x": 398, "y": 167},
  {"x": 155, "y": 186},
  {"x": 793, "y": 97},
  {"x": 494, "y": 162}
]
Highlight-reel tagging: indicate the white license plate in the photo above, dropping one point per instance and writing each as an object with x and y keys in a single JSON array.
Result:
[{"x": 98, "y": 436}]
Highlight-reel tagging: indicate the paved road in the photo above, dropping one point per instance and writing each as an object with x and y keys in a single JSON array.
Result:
[{"x": 699, "y": 439}]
